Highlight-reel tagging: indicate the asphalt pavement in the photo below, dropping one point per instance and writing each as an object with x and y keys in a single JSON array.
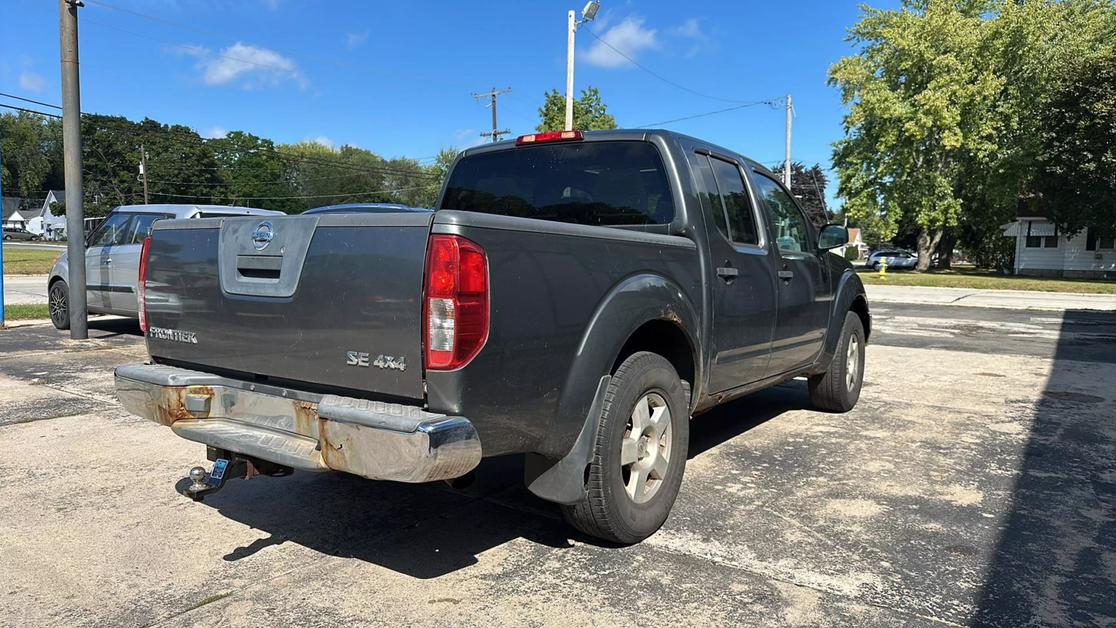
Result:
[
  {"x": 974, "y": 483},
  {"x": 42, "y": 246},
  {"x": 19, "y": 289}
]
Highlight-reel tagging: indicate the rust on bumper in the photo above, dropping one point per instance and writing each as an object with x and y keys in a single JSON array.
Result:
[{"x": 302, "y": 430}]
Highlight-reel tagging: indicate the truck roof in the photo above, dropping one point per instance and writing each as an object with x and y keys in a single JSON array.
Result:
[{"x": 630, "y": 135}]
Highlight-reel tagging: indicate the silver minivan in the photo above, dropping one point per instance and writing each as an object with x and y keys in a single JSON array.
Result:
[{"x": 112, "y": 255}]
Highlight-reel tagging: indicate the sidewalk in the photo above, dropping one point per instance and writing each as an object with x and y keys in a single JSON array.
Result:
[
  {"x": 25, "y": 289},
  {"x": 1010, "y": 299}
]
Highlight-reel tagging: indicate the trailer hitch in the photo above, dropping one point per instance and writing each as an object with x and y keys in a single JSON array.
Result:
[{"x": 228, "y": 466}]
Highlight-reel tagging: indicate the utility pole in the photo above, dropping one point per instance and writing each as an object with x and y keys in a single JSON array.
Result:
[
  {"x": 2, "y": 246},
  {"x": 71, "y": 146},
  {"x": 495, "y": 133},
  {"x": 787, "y": 165},
  {"x": 143, "y": 172}
]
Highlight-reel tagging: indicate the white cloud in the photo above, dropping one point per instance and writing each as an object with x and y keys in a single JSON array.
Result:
[
  {"x": 691, "y": 30},
  {"x": 31, "y": 82},
  {"x": 629, "y": 37},
  {"x": 246, "y": 66},
  {"x": 214, "y": 133},
  {"x": 353, "y": 40},
  {"x": 322, "y": 140}
]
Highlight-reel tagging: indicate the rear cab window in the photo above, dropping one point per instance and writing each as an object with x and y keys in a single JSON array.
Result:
[{"x": 616, "y": 183}]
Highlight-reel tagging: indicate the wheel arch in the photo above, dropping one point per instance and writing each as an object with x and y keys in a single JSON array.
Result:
[{"x": 644, "y": 312}]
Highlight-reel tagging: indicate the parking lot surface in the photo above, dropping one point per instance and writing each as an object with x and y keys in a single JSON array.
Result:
[{"x": 975, "y": 483}]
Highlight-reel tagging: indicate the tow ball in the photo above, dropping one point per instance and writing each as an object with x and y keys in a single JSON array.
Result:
[{"x": 228, "y": 467}]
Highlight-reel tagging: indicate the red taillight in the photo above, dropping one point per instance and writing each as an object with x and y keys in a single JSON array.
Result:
[
  {"x": 455, "y": 306},
  {"x": 141, "y": 284},
  {"x": 549, "y": 136}
]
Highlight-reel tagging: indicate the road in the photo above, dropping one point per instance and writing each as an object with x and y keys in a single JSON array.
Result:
[
  {"x": 973, "y": 484},
  {"x": 25, "y": 289},
  {"x": 42, "y": 246}
]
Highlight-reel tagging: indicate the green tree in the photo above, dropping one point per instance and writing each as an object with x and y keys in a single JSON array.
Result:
[
  {"x": 26, "y": 156},
  {"x": 918, "y": 94},
  {"x": 808, "y": 187},
  {"x": 1076, "y": 179},
  {"x": 589, "y": 112}
]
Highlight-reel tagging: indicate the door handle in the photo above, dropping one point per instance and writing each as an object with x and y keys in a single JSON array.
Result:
[
  {"x": 728, "y": 273},
  {"x": 108, "y": 260},
  {"x": 786, "y": 275}
]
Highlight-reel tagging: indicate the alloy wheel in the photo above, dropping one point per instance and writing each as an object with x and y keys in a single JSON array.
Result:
[{"x": 645, "y": 450}]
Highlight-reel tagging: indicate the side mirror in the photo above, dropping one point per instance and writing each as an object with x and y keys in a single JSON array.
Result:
[{"x": 833, "y": 236}]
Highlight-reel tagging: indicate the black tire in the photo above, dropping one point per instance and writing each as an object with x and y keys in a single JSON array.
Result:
[
  {"x": 608, "y": 510},
  {"x": 58, "y": 300},
  {"x": 7, "y": 237},
  {"x": 835, "y": 390}
]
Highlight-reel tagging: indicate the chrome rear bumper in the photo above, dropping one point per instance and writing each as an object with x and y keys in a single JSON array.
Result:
[{"x": 376, "y": 440}]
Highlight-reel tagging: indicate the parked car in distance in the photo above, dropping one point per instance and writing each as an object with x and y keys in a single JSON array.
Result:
[
  {"x": 112, "y": 253},
  {"x": 895, "y": 258},
  {"x": 575, "y": 298},
  {"x": 15, "y": 233}
]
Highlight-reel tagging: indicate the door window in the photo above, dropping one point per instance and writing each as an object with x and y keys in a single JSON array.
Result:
[
  {"x": 112, "y": 232},
  {"x": 737, "y": 205},
  {"x": 141, "y": 227},
  {"x": 791, "y": 233}
]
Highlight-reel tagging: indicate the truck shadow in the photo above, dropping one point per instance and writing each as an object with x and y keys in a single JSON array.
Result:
[
  {"x": 430, "y": 530},
  {"x": 1054, "y": 562}
]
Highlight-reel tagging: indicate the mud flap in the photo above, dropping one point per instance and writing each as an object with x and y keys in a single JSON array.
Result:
[{"x": 563, "y": 481}]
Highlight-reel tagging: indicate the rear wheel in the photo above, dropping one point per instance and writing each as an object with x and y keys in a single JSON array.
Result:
[
  {"x": 640, "y": 453},
  {"x": 838, "y": 389},
  {"x": 58, "y": 298}
]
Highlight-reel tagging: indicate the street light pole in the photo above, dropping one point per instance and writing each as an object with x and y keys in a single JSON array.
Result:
[
  {"x": 71, "y": 147},
  {"x": 587, "y": 15},
  {"x": 571, "y": 29}
]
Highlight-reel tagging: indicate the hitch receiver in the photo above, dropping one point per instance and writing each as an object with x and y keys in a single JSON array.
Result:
[{"x": 228, "y": 466}]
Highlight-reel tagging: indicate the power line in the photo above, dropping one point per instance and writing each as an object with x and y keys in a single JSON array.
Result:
[
  {"x": 379, "y": 170},
  {"x": 32, "y": 101},
  {"x": 771, "y": 103},
  {"x": 656, "y": 74},
  {"x": 41, "y": 113}
]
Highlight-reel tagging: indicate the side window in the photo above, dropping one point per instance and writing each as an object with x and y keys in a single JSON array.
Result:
[
  {"x": 141, "y": 227},
  {"x": 788, "y": 224},
  {"x": 708, "y": 193},
  {"x": 734, "y": 196},
  {"x": 113, "y": 231}
]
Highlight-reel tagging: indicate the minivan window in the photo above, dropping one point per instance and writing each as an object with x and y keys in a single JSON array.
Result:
[
  {"x": 591, "y": 183},
  {"x": 141, "y": 227},
  {"x": 112, "y": 232}
]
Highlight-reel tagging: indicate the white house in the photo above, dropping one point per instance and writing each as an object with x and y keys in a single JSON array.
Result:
[
  {"x": 1041, "y": 251},
  {"x": 41, "y": 221}
]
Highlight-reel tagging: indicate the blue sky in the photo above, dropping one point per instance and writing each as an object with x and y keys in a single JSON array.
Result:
[{"x": 398, "y": 77}]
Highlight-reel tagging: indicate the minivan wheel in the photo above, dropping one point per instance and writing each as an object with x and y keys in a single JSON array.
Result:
[
  {"x": 58, "y": 298},
  {"x": 640, "y": 453},
  {"x": 838, "y": 389}
]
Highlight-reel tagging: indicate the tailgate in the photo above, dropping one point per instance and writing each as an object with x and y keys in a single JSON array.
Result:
[{"x": 331, "y": 299}]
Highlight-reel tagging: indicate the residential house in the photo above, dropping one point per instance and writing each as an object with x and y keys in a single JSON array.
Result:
[
  {"x": 1041, "y": 251},
  {"x": 12, "y": 211},
  {"x": 43, "y": 221},
  {"x": 857, "y": 242}
]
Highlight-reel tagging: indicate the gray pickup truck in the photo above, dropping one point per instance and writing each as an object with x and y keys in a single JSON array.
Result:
[{"x": 575, "y": 297}]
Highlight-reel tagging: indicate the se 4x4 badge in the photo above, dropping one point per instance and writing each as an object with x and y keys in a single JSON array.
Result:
[{"x": 361, "y": 358}]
